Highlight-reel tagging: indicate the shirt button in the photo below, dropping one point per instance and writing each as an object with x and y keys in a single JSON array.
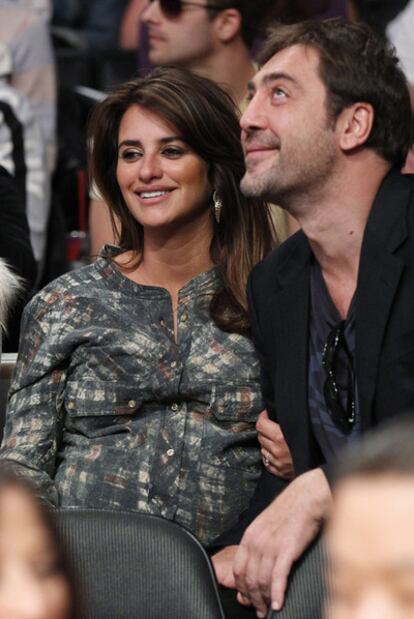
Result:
[
  {"x": 71, "y": 405},
  {"x": 170, "y": 452},
  {"x": 132, "y": 403},
  {"x": 173, "y": 364},
  {"x": 174, "y": 407}
]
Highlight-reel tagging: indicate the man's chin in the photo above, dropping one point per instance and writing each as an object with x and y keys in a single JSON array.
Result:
[
  {"x": 248, "y": 186},
  {"x": 254, "y": 187}
]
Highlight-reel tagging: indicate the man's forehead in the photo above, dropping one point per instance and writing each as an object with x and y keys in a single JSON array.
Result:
[{"x": 295, "y": 62}]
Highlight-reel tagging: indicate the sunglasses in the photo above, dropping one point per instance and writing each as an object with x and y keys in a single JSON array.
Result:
[
  {"x": 174, "y": 8},
  {"x": 339, "y": 386}
]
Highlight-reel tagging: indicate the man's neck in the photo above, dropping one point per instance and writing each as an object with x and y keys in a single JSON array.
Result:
[
  {"x": 231, "y": 67},
  {"x": 335, "y": 216},
  {"x": 335, "y": 226}
]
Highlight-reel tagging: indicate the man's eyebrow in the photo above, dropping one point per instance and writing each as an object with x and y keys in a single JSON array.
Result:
[
  {"x": 269, "y": 78},
  {"x": 279, "y": 75}
]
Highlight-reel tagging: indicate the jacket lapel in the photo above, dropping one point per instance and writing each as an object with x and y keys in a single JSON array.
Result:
[
  {"x": 291, "y": 315},
  {"x": 380, "y": 271}
]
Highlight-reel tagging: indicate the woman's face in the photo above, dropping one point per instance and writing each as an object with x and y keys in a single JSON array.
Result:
[
  {"x": 32, "y": 584},
  {"x": 163, "y": 181}
]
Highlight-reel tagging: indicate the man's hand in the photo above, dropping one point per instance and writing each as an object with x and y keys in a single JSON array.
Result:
[
  {"x": 223, "y": 566},
  {"x": 277, "y": 538},
  {"x": 275, "y": 451}
]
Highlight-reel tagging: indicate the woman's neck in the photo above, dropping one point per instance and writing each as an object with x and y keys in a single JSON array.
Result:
[{"x": 170, "y": 258}]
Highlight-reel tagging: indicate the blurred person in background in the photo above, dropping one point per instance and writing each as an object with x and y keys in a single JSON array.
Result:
[
  {"x": 400, "y": 31},
  {"x": 369, "y": 533},
  {"x": 91, "y": 25},
  {"x": 31, "y": 72},
  {"x": 376, "y": 13},
  {"x": 213, "y": 39},
  {"x": 130, "y": 29},
  {"x": 137, "y": 386},
  {"x": 17, "y": 266},
  {"x": 23, "y": 154},
  {"x": 34, "y": 576}
]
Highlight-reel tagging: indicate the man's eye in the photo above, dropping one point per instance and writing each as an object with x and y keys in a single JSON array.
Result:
[{"x": 278, "y": 93}]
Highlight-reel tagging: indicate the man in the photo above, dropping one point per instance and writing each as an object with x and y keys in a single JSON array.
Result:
[
  {"x": 370, "y": 541},
  {"x": 325, "y": 134},
  {"x": 213, "y": 38}
]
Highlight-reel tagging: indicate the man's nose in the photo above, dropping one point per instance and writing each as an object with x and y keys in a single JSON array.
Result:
[
  {"x": 254, "y": 116},
  {"x": 150, "y": 12}
]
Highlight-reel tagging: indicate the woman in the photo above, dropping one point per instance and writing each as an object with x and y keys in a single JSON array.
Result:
[
  {"x": 137, "y": 386},
  {"x": 34, "y": 580}
]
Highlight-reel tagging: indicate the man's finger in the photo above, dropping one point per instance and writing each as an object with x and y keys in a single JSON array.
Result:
[
  {"x": 280, "y": 576},
  {"x": 239, "y": 567},
  {"x": 242, "y": 599}
]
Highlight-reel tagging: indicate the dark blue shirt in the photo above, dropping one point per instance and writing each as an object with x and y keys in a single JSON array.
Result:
[{"x": 324, "y": 316}]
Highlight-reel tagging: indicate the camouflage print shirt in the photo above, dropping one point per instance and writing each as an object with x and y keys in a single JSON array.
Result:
[{"x": 107, "y": 410}]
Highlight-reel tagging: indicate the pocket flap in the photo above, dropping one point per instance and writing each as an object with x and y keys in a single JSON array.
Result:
[
  {"x": 94, "y": 398},
  {"x": 238, "y": 403}
]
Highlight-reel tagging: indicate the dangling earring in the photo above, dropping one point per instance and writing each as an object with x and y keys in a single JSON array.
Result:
[{"x": 218, "y": 205}]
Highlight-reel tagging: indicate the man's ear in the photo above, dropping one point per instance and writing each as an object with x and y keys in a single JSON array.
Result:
[
  {"x": 228, "y": 24},
  {"x": 354, "y": 125}
]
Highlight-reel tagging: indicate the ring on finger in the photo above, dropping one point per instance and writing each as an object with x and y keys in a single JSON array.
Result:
[{"x": 266, "y": 460}]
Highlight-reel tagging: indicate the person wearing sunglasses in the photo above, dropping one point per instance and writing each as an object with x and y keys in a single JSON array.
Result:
[
  {"x": 212, "y": 38},
  {"x": 325, "y": 135}
]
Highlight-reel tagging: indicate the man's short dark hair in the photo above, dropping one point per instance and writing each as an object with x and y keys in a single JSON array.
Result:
[
  {"x": 356, "y": 64},
  {"x": 387, "y": 450},
  {"x": 254, "y": 15}
]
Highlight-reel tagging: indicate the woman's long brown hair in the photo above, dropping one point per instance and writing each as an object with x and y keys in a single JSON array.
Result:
[{"x": 206, "y": 118}]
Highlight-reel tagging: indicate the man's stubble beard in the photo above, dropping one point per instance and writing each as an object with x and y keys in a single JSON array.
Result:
[
  {"x": 263, "y": 186},
  {"x": 302, "y": 176}
]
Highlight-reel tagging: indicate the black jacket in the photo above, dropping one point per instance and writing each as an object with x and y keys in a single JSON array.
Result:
[{"x": 384, "y": 331}]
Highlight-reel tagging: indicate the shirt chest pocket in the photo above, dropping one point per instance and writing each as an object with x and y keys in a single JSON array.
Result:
[
  {"x": 230, "y": 437},
  {"x": 97, "y": 409}
]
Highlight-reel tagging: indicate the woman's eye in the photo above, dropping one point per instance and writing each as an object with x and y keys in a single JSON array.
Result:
[
  {"x": 130, "y": 155},
  {"x": 172, "y": 152}
]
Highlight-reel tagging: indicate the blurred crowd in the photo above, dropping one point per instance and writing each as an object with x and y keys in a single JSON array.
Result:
[
  {"x": 50, "y": 51},
  {"x": 63, "y": 62}
]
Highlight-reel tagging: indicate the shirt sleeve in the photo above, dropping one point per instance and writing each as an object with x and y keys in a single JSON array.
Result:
[{"x": 34, "y": 418}]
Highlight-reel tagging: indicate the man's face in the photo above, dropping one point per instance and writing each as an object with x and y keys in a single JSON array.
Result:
[
  {"x": 371, "y": 548},
  {"x": 289, "y": 142},
  {"x": 186, "y": 40}
]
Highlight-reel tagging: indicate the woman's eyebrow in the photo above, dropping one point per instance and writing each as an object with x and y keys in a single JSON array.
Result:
[{"x": 166, "y": 140}]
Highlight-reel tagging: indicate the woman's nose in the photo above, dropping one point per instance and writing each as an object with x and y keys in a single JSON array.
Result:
[{"x": 149, "y": 168}]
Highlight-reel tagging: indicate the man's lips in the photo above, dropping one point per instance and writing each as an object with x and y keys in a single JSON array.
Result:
[
  {"x": 258, "y": 151},
  {"x": 155, "y": 36}
]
